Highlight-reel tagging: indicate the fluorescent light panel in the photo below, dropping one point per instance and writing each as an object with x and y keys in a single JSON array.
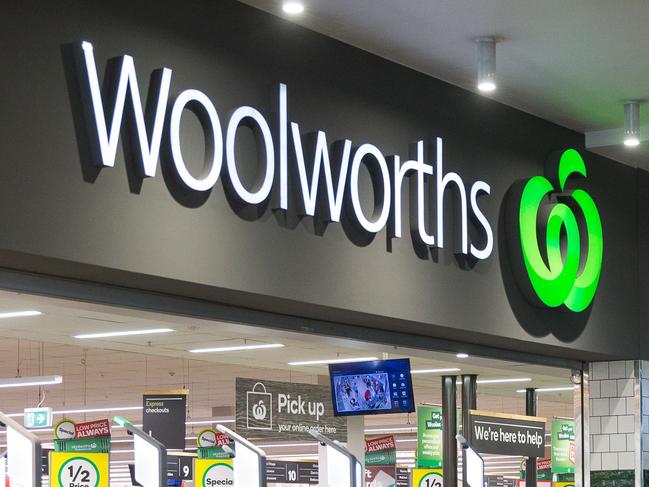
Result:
[
  {"x": 433, "y": 371},
  {"x": 334, "y": 361},
  {"x": 18, "y": 314},
  {"x": 90, "y": 336},
  {"x": 503, "y": 381},
  {"x": 551, "y": 389},
  {"x": 47, "y": 380},
  {"x": 237, "y": 348}
]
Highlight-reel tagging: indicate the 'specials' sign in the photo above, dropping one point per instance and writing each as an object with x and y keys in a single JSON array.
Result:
[
  {"x": 286, "y": 410},
  {"x": 507, "y": 434}
]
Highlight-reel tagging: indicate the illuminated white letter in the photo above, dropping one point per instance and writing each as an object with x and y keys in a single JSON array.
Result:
[
  {"x": 321, "y": 158},
  {"x": 481, "y": 186},
  {"x": 262, "y": 131},
  {"x": 283, "y": 147},
  {"x": 203, "y": 108},
  {"x": 422, "y": 170},
  {"x": 380, "y": 221},
  {"x": 149, "y": 149},
  {"x": 442, "y": 181}
]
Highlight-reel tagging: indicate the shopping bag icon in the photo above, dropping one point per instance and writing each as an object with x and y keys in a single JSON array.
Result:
[{"x": 259, "y": 408}]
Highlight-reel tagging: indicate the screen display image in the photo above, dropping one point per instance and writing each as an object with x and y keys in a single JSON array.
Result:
[{"x": 377, "y": 387}]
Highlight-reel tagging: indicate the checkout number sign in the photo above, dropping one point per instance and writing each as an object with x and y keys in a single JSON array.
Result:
[
  {"x": 213, "y": 473},
  {"x": 79, "y": 470},
  {"x": 426, "y": 477}
]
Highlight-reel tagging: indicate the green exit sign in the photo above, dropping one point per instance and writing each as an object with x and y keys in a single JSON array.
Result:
[{"x": 38, "y": 418}]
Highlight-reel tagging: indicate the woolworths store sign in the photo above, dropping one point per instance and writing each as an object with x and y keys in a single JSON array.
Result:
[{"x": 557, "y": 230}]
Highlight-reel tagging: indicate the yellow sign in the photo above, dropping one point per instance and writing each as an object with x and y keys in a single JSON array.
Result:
[
  {"x": 564, "y": 484},
  {"x": 427, "y": 477},
  {"x": 79, "y": 469},
  {"x": 213, "y": 472}
]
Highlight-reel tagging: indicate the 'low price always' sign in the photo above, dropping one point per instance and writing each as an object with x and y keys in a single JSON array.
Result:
[{"x": 92, "y": 429}]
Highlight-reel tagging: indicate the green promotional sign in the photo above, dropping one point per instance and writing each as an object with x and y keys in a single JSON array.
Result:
[
  {"x": 564, "y": 268},
  {"x": 388, "y": 457},
  {"x": 83, "y": 445},
  {"x": 563, "y": 446},
  {"x": 429, "y": 437}
]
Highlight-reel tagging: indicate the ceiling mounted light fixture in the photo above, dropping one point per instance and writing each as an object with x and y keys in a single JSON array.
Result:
[
  {"x": 19, "y": 314},
  {"x": 293, "y": 7},
  {"x": 334, "y": 361},
  {"x": 433, "y": 371},
  {"x": 237, "y": 348},
  {"x": 632, "y": 124},
  {"x": 503, "y": 381},
  {"x": 486, "y": 64},
  {"x": 550, "y": 389},
  {"x": 48, "y": 380},
  {"x": 462, "y": 355},
  {"x": 111, "y": 334}
]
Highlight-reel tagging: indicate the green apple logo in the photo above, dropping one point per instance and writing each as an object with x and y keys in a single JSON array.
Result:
[{"x": 563, "y": 277}]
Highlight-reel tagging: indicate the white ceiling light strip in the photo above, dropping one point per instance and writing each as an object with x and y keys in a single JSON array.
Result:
[
  {"x": 45, "y": 380},
  {"x": 237, "y": 348},
  {"x": 112, "y": 334},
  {"x": 334, "y": 361}
]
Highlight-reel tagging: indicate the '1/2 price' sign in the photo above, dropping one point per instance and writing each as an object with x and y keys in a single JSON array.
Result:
[{"x": 79, "y": 470}]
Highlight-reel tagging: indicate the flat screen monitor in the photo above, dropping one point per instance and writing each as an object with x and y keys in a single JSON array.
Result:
[{"x": 376, "y": 387}]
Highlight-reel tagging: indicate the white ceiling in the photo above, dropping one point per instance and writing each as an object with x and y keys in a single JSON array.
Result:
[{"x": 571, "y": 62}]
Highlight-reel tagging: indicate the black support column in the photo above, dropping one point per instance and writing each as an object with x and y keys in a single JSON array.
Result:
[
  {"x": 449, "y": 428},
  {"x": 530, "y": 464},
  {"x": 469, "y": 402}
]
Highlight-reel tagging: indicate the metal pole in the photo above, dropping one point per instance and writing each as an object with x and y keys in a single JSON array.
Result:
[
  {"x": 531, "y": 402},
  {"x": 449, "y": 428},
  {"x": 469, "y": 402}
]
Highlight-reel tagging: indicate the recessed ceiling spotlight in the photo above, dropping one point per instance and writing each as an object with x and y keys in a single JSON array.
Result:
[
  {"x": 462, "y": 355},
  {"x": 632, "y": 124},
  {"x": 293, "y": 8},
  {"x": 486, "y": 64}
]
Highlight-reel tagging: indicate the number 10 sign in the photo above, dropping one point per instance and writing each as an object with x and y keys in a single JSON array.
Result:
[{"x": 79, "y": 469}]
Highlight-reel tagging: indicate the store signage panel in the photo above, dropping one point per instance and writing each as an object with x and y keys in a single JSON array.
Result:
[
  {"x": 286, "y": 410},
  {"x": 292, "y": 472},
  {"x": 380, "y": 475},
  {"x": 164, "y": 417},
  {"x": 79, "y": 469},
  {"x": 429, "y": 436},
  {"x": 92, "y": 429},
  {"x": 38, "y": 418},
  {"x": 403, "y": 477},
  {"x": 507, "y": 434},
  {"x": 333, "y": 187},
  {"x": 563, "y": 446}
]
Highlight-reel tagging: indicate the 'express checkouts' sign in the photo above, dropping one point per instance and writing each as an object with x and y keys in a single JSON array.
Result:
[{"x": 507, "y": 434}]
